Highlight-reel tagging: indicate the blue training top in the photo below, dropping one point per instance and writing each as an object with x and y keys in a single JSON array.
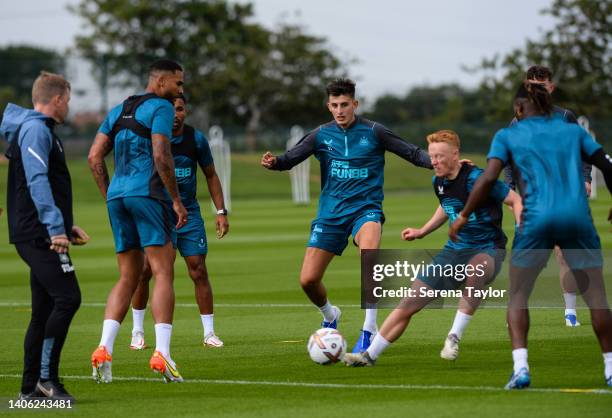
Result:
[
  {"x": 352, "y": 164},
  {"x": 546, "y": 155},
  {"x": 135, "y": 173},
  {"x": 568, "y": 116}
]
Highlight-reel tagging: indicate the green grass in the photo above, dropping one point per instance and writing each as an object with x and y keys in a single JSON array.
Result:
[{"x": 259, "y": 263}]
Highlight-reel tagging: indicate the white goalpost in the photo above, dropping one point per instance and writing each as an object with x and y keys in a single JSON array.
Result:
[
  {"x": 300, "y": 174},
  {"x": 221, "y": 154}
]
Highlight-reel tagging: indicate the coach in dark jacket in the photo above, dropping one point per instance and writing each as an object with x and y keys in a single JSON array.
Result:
[{"x": 39, "y": 210}]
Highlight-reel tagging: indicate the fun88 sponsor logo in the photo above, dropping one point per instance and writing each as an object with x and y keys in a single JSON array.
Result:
[{"x": 342, "y": 170}]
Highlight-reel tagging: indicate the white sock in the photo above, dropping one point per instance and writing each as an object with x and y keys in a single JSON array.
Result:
[
  {"x": 607, "y": 364},
  {"x": 207, "y": 323},
  {"x": 461, "y": 321},
  {"x": 110, "y": 329},
  {"x": 520, "y": 359},
  {"x": 163, "y": 333},
  {"x": 570, "y": 303},
  {"x": 369, "y": 324},
  {"x": 328, "y": 311},
  {"x": 138, "y": 320},
  {"x": 379, "y": 344}
]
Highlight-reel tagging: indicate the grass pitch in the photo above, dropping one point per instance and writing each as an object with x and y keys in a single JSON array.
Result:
[{"x": 264, "y": 319}]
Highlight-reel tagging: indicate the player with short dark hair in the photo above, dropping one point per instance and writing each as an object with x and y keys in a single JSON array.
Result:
[
  {"x": 341, "y": 87},
  {"x": 481, "y": 245},
  {"x": 556, "y": 213},
  {"x": 351, "y": 151},
  {"x": 138, "y": 131},
  {"x": 164, "y": 66},
  {"x": 189, "y": 149}
]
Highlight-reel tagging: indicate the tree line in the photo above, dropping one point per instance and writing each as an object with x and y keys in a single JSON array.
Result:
[{"x": 241, "y": 74}]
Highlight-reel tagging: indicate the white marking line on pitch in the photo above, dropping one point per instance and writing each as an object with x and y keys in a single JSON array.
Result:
[
  {"x": 190, "y": 305},
  {"x": 251, "y": 305},
  {"x": 337, "y": 385}
]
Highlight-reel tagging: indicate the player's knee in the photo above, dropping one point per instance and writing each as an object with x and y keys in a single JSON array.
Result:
[
  {"x": 130, "y": 284},
  {"x": 162, "y": 272},
  {"x": 145, "y": 278},
  {"x": 601, "y": 319},
  {"x": 368, "y": 243},
  {"x": 146, "y": 274},
  {"x": 518, "y": 298},
  {"x": 309, "y": 280},
  {"x": 198, "y": 274}
]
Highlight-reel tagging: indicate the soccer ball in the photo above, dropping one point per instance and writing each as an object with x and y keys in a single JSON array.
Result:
[{"x": 326, "y": 346}]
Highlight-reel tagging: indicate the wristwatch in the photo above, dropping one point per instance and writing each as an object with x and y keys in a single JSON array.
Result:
[{"x": 222, "y": 211}]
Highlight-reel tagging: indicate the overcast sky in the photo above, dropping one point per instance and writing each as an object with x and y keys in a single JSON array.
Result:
[{"x": 399, "y": 43}]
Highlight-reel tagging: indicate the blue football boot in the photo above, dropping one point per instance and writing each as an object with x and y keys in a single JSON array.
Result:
[
  {"x": 520, "y": 380},
  {"x": 333, "y": 324},
  {"x": 364, "y": 341},
  {"x": 571, "y": 320}
]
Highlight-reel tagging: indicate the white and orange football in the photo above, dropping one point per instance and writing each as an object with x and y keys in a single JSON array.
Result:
[{"x": 326, "y": 346}]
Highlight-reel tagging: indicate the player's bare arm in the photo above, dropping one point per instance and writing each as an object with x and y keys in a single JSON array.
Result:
[
  {"x": 438, "y": 218},
  {"x": 100, "y": 148},
  {"x": 164, "y": 163},
  {"x": 515, "y": 203},
  {"x": 216, "y": 194}
]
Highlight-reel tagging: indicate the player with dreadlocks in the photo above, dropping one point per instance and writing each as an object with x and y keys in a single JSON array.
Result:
[
  {"x": 556, "y": 213},
  {"x": 543, "y": 75}
]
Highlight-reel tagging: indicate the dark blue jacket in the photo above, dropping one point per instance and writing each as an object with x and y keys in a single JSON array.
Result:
[{"x": 39, "y": 195}]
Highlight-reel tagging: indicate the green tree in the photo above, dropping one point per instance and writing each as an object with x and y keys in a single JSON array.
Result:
[
  {"x": 202, "y": 36},
  {"x": 425, "y": 109},
  {"x": 20, "y": 65},
  {"x": 442, "y": 104},
  {"x": 284, "y": 83},
  {"x": 237, "y": 72},
  {"x": 577, "y": 49}
]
